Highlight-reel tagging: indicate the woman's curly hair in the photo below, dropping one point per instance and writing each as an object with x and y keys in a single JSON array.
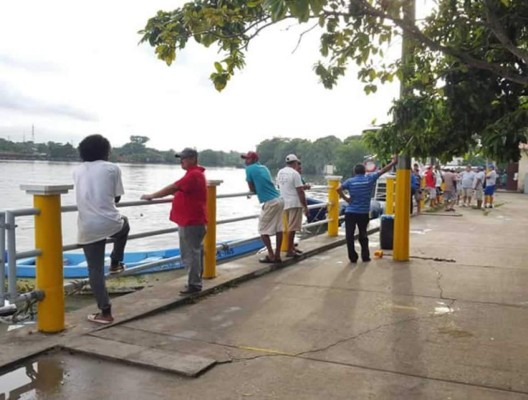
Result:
[{"x": 94, "y": 148}]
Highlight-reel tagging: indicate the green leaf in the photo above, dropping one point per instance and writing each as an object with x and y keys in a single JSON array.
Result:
[
  {"x": 300, "y": 9},
  {"x": 219, "y": 81},
  {"x": 317, "y": 5},
  {"x": 277, "y": 8},
  {"x": 218, "y": 67}
]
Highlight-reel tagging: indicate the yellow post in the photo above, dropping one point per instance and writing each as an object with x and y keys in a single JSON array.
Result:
[
  {"x": 49, "y": 268},
  {"x": 402, "y": 214},
  {"x": 284, "y": 243},
  {"x": 422, "y": 197},
  {"x": 209, "y": 271},
  {"x": 389, "y": 200},
  {"x": 333, "y": 204}
]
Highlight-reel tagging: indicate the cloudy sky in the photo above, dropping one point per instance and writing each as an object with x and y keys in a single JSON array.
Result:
[{"x": 74, "y": 68}]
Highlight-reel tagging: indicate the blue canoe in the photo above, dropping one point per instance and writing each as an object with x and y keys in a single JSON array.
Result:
[{"x": 75, "y": 266}]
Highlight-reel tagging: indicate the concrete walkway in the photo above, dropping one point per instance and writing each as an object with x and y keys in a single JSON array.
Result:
[{"x": 448, "y": 324}]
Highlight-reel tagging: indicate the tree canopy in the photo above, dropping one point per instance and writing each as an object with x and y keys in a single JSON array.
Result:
[
  {"x": 468, "y": 74},
  {"x": 314, "y": 155}
]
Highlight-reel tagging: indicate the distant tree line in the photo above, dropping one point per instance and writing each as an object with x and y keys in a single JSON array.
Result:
[
  {"x": 50, "y": 150},
  {"x": 314, "y": 155},
  {"x": 329, "y": 150},
  {"x": 134, "y": 151}
]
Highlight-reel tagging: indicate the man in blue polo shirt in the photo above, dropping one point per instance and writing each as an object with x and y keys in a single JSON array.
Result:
[
  {"x": 359, "y": 189},
  {"x": 259, "y": 181}
]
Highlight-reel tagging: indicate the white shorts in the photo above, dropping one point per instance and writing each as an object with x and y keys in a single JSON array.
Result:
[
  {"x": 270, "y": 220},
  {"x": 432, "y": 192},
  {"x": 294, "y": 218},
  {"x": 479, "y": 194}
]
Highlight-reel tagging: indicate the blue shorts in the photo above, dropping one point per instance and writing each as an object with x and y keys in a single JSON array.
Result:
[{"x": 489, "y": 190}]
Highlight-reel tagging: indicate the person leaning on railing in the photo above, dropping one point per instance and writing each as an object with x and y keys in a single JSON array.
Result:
[
  {"x": 291, "y": 188},
  {"x": 258, "y": 178},
  {"x": 190, "y": 213},
  {"x": 98, "y": 187}
]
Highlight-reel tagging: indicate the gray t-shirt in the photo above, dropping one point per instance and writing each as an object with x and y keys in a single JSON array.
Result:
[
  {"x": 467, "y": 179},
  {"x": 479, "y": 179}
]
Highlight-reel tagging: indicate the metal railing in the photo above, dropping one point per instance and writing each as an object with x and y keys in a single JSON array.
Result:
[{"x": 8, "y": 235}]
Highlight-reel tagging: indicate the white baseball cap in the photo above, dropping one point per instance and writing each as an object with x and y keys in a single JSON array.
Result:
[{"x": 291, "y": 158}]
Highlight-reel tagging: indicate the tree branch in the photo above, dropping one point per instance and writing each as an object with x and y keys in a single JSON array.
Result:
[
  {"x": 495, "y": 26},
  {"x": 415, "y": 32},
  {"x": 301, "y": 36}
]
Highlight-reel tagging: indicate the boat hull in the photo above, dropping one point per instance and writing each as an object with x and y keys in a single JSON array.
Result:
[{"x": 75, "y": 266}]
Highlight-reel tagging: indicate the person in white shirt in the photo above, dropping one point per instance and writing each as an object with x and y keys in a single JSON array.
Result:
[
  {"x": 291, "y": 190},
  {"x": 467, "y": 178},
  {"x": 98, "y": 187},
  {"x": 439, "y": 179},
  {"x": 478, "y": 184}
]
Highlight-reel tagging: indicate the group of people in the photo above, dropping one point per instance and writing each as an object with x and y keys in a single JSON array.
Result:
[
  {"x": 286, "y": 197},
  {"x": 99, "y": 187},
  {"x": 290, "y": 200},
  {"x": 460, "y": 187}
]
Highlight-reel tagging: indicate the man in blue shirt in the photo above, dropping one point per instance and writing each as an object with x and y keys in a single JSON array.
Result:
[
  {"x": 259, "y": 181},
  {"x": 415, "y": 188},
  {"x": 359, "y": 189}
]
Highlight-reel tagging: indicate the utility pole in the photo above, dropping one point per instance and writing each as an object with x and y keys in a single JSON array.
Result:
[{"x": 403, "y": 172}]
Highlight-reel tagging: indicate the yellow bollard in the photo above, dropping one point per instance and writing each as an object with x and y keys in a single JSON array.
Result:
[
  {"x": 389, "y": 200},
  {"x": 402, "y": 214},
  {"x": 284, "y": 243},
  {"x": 333, "y": 201},
  {"x": 422, "y": 196},
  {"x": 49, "y": 265},
  {"x": 209, "y": 271}
]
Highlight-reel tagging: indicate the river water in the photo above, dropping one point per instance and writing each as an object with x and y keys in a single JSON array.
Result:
[{"x": 137, "y": 179}]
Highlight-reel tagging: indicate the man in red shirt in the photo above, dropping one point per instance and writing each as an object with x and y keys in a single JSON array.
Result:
[
  {"x": 430, "y": 184},
  {"x": 190, "y": 213}
]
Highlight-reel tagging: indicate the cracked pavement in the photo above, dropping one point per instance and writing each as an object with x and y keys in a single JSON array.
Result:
[
  {"x": 436, "y": 318},
  {"x": 449, "y": 324}
]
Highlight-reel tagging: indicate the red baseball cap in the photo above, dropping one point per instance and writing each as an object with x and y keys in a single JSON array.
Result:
[{"x": 250, "y": 155}]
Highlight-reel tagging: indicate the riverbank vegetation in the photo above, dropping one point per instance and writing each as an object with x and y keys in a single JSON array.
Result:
[{"x": 314, "y": 154}]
